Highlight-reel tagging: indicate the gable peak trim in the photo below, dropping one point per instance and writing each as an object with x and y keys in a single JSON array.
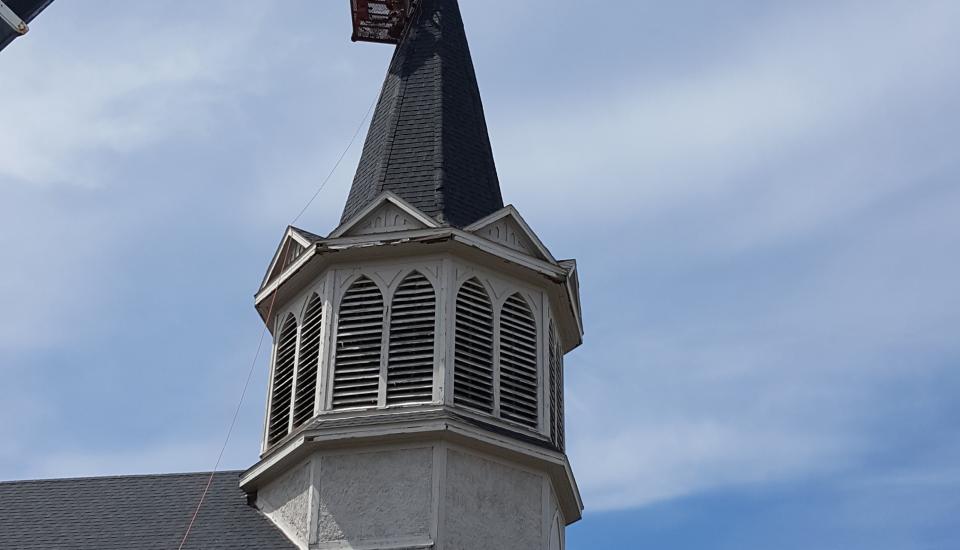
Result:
[
  {"x": 384, "y": 198},
  {"x": 511, "y": 212},
  {"x": 303, "y": 238}
]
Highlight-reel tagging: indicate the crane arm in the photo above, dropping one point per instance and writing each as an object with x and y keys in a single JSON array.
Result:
[{"x": 15, "y": 16}]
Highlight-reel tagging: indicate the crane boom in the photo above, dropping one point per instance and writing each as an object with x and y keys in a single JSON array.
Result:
[{"x": 15, "y": 16}]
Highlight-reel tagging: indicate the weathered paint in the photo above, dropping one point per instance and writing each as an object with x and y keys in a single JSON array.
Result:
[
  {"x": 491, "y": 505},
  {"x": 441, "y": 496},
  {"x": 375, "y": 496},
  {"x": 286, "y": 502}
]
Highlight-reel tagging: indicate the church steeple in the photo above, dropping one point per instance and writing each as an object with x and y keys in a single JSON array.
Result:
[
  {"x": 428, "y": 141},
  {"x": 416, "y": 387}
]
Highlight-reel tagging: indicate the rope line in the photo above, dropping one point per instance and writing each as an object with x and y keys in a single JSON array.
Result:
[
  {"x": 263, "y": 333},
  {"x": 337, "y": 164},
  {"x": 233, "y": 422}
]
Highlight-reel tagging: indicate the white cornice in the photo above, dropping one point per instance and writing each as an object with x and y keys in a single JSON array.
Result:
[{"x": 421, "y": 236}]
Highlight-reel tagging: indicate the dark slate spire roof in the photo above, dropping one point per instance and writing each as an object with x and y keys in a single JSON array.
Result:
[
  {"x": 133, "y": 512},
  {"x": 428, "y": 139}
]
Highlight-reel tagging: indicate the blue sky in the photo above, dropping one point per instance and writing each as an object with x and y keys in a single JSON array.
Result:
[{"x": 763, "y": 198}]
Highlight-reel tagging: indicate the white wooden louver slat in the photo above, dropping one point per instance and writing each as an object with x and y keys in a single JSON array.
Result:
[
  {"x": 518, "y": 363},
  {"x": 412, "y": 332},
  {"x": 356, "y": 376},
  {"x": 473, "y": 348},
  {"x": 556, "y": 389},
  {"x": 279, "y": 423},
  {"x": 309, "y": 359}
]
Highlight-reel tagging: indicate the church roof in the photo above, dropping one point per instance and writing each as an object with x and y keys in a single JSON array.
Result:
[
  {"x": 142, "y": 512},
  {"x": 428, "y": 140}
]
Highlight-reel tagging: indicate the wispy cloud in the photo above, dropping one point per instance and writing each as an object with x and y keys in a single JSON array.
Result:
[
  {"x": 162, "y": 457},
  {"x": 766, "y": 232},
  {"x": 144, "y": 77},
  {"x": 789, "y": 215},
  {"x": 789, "y": 121},
  {"x": 89, "y": 94},
  {"x": 761, "y": 373},
  {"x": 655, "y": 461}
]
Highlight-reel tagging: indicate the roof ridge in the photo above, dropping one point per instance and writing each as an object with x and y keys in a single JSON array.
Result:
[{"x": 107, "y": 477}]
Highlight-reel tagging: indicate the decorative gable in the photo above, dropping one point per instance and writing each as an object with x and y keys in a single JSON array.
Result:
[
  {"x": 507, "y": 228},
  {"x": 387, "y": 217},
  {"x": 387, "y": 214},
  {"x": 293, "y": 246},
  {"x": 507, "y": 232}
]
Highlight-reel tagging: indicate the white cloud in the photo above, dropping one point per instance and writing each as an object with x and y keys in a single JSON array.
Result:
[
  {"x": 168, "y": 457},
  {"x": 761, "y": 149},
  {"x": 76, "y": 104},
  {"x": 649, "y": 463},
  {"x": 763, "y": 386},
  {"x": 88, "y": 93},
  {"x": 808, "y": 146},
  {"x": 775, "y": 125}
]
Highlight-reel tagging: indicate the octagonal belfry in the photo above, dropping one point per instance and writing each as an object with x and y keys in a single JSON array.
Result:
[
  {"x": 422, "y": 363},
  {"x": 416, "y": 385}
]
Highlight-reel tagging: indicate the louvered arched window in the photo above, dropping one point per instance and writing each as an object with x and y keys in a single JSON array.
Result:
[
  {"x": 309, "y": 361},
  {"x": 356, "y": 377},
  {"x": 473, "y": 348},
  {"x": 556, "y": 388},
  {"x": 283, "y": 371},
  {"x": 411, "y": 353},
  {"x": 518, "y": 363}
]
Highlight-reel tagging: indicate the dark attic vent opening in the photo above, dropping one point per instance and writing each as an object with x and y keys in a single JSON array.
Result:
[
  {"x": 356, "y": 379},
  {"x": 473, "y": 348},
  {"x": 412, "y": 330}
]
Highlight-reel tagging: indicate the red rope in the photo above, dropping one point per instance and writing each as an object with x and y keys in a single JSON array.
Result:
[
  {"x": 236, "y": 413},
  {"x": 263, "y": 333}
]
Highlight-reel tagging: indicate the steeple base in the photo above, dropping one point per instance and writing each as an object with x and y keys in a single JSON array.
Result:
[{"x": 421, "y": 494}]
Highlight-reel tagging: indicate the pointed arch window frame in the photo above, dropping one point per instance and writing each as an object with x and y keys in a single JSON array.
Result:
[
  {"x": 540, "y": 317},
  {"x": 349, "y": 284},
  {"x": 554, "y": 376},
  {"x": 313, "y": 296},
  {"x": 488, "y": 301},
  {"x": 298, "y": 310},
  {"x": 282, "y": 319},
  {"x": 407, "y": 277},
  {"x": 388, "y": 294}
]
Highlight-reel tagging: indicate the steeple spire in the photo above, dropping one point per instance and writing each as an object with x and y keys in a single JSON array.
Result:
[
  {"x": 417, "y": 371},
  {"x": 428, "y": 140}
]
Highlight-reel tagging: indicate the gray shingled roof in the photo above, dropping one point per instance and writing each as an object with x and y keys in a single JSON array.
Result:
[
  {"x": 313, "y": 237},
  {"x": 133, "y": 512},
  {"x": 428, "y": 140}
]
